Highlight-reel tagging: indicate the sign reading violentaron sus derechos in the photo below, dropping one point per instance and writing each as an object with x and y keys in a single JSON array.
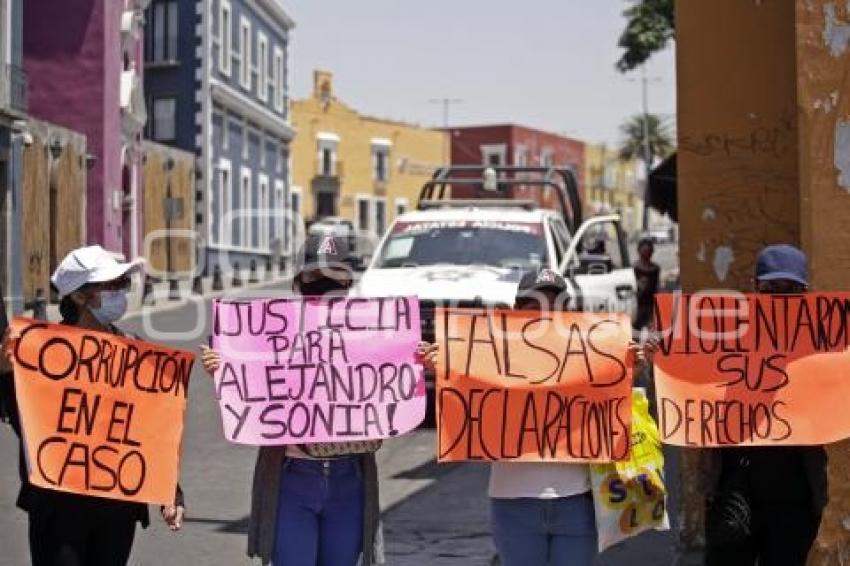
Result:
[
  {"x": 102, "y": 415},
  {"x": 532, "y": 386},
  {"x": 753, "y": 369},
  {"x": 304, "y": 370}
]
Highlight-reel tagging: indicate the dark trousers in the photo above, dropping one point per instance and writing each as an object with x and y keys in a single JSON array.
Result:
[
  {"x": 320, "y": 513},
  {"x": 64, "y": 536},
  {"x": 782, "y": 535}
]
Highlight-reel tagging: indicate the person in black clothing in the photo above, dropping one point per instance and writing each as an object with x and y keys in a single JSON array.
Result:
[
  {"x": 765, "y": 503},
  {"x": 647, "y": 275},
  {"x": 67, "y": 529}
]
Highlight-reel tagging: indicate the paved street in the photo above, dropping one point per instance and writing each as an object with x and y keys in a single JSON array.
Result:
[{"x": 433, "y": 514}]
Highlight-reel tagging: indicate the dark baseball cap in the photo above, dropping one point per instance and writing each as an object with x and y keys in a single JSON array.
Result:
[
  {"x": 782, "y": 261},
  {"x": 540, "y": 280},
  {"x": 324, "y": 251}
]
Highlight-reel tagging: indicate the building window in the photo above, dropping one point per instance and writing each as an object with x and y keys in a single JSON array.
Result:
[
  {"x": 380, "y": 217},
  {"x": 401, "y": 205},
  {"x": 262, "y": 67},
  {"x": 364, "y": 213},
  {"x": 225, "y": 35},
  {"x": 223, "y": 232},
  {"x": 547, "y": 157},
  {"x": 164, "y": 116},
  {"x": 520, "y": 156},
  {"x": 295, "y": 218},
  {"x": 327, "y": 167},
  {"x": 277, "y": 79},
  {"x": 245, "y": 50},
  {"x": 245, "y": 216},
  {"x": 493, "y": 154},
  {"x": 246, "y": 142},
  {"x": 263, "y": 211},
  {"x": 263, "y": 150},
  {"x": 277, "y": 210},
  {"x": 225, "y": 133},
  {"x": 382, "y": 158},
  {"x": 163, "y": 31},
  {"x": 327, "y": 158}
]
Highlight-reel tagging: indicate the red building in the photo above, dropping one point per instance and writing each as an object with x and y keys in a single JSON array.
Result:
[{"x": 510, "y": 144}]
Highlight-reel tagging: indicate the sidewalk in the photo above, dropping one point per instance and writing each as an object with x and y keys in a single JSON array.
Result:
[{"x": 159, "y": 299}]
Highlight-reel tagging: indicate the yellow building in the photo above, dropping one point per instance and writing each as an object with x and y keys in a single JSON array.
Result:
[
  {"x": 614, "y": 185},
  {"x": 361, "y": 168}
]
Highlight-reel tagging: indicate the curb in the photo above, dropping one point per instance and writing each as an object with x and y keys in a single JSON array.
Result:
[{"x": 170, "y": 305}]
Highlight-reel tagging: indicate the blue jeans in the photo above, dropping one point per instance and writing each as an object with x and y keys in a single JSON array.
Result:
[
  {"x": 320, "y": 513},
  {"x": 545, "y": 532}
]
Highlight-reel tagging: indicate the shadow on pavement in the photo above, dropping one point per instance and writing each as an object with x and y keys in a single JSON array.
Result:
[
  {"x": 230, "y": 526},
  {"x": 428, "y": 470}
]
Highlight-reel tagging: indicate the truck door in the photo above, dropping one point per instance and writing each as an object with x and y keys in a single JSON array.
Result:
[{"x": 598, "y": 261}]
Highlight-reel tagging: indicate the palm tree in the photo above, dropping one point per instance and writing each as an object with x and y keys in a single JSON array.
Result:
[{"x": 660, "y": 137}]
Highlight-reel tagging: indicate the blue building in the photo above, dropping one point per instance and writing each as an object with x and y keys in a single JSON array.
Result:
[{"x": 216, "y": 81}]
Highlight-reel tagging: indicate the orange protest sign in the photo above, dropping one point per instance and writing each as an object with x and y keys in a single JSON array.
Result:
[
  {"x": 102, "y": 415},
  {"x": 764, "y": 370},
  {"x": 532, "y": 386}
]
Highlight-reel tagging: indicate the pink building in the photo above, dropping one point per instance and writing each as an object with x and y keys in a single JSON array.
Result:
[{"x": 84, "y": 60}]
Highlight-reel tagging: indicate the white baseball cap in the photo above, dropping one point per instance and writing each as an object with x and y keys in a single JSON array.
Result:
[{"x": 91, "y": 264}]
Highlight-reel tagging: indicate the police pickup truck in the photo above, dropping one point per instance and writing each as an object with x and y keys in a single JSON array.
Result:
[{"x": 471, "y": 252}]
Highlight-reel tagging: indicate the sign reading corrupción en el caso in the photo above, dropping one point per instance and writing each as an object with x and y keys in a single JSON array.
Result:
[
  {"x": 318, "y": 370},
  {"x": 739, "y": 369},
  {"x": 532, "y": 386},
  {"x": 101, "y": 414}
]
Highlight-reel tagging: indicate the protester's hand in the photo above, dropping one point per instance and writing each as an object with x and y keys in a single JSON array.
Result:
[
  {"x": 643, "y": 352},
  {"x": 210, "y": 358},
  {"x": 650, "y": 346},
  {"x": 426, "y": 354},
  {"x": 7, "y": 350},
  {"x": 636, "y": 355},
  {"x": 173, "y": 516}
]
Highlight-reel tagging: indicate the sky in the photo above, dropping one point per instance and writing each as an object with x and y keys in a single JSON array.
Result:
[{"x": 548, "y": 64}]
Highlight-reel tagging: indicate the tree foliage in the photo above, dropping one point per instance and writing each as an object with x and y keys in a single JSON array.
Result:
[
  {"x": 660, "y": 137},
  {"x": 650, "y": 27}
]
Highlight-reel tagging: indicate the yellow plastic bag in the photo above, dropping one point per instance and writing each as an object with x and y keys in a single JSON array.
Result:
[{"x": 629, "y": 496}]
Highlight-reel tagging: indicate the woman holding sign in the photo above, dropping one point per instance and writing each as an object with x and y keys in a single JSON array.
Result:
[
  {"x": 316, "y": 504},
  {"x": 543, "y": 513},
  {"x": 68, "y": 529}
]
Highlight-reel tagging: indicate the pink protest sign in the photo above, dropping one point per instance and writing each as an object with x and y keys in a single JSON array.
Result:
[{"x": 318, "y": 370}]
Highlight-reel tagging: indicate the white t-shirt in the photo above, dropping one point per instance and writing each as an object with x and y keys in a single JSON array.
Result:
[{"x": 510, "y": 480}]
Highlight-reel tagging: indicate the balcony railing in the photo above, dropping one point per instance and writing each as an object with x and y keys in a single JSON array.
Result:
[{"x": 13, "y": 89}]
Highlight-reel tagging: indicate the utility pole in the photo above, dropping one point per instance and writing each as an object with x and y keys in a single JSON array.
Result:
[
  {"x": 647, "y": 149},
  {"x": 447, "y": 103}
]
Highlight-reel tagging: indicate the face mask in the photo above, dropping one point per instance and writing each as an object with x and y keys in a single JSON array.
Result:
[
  {"x": 322, "y": 286},
  {"x": 113, "y": 305}
]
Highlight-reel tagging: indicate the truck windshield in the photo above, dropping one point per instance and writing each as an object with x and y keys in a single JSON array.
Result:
[{"x": 498, "y": 244}]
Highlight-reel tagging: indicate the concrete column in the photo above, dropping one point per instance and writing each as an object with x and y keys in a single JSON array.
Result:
[
  {"x": 764, "y": 157},
  {"x": 823, "y": 88}
]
